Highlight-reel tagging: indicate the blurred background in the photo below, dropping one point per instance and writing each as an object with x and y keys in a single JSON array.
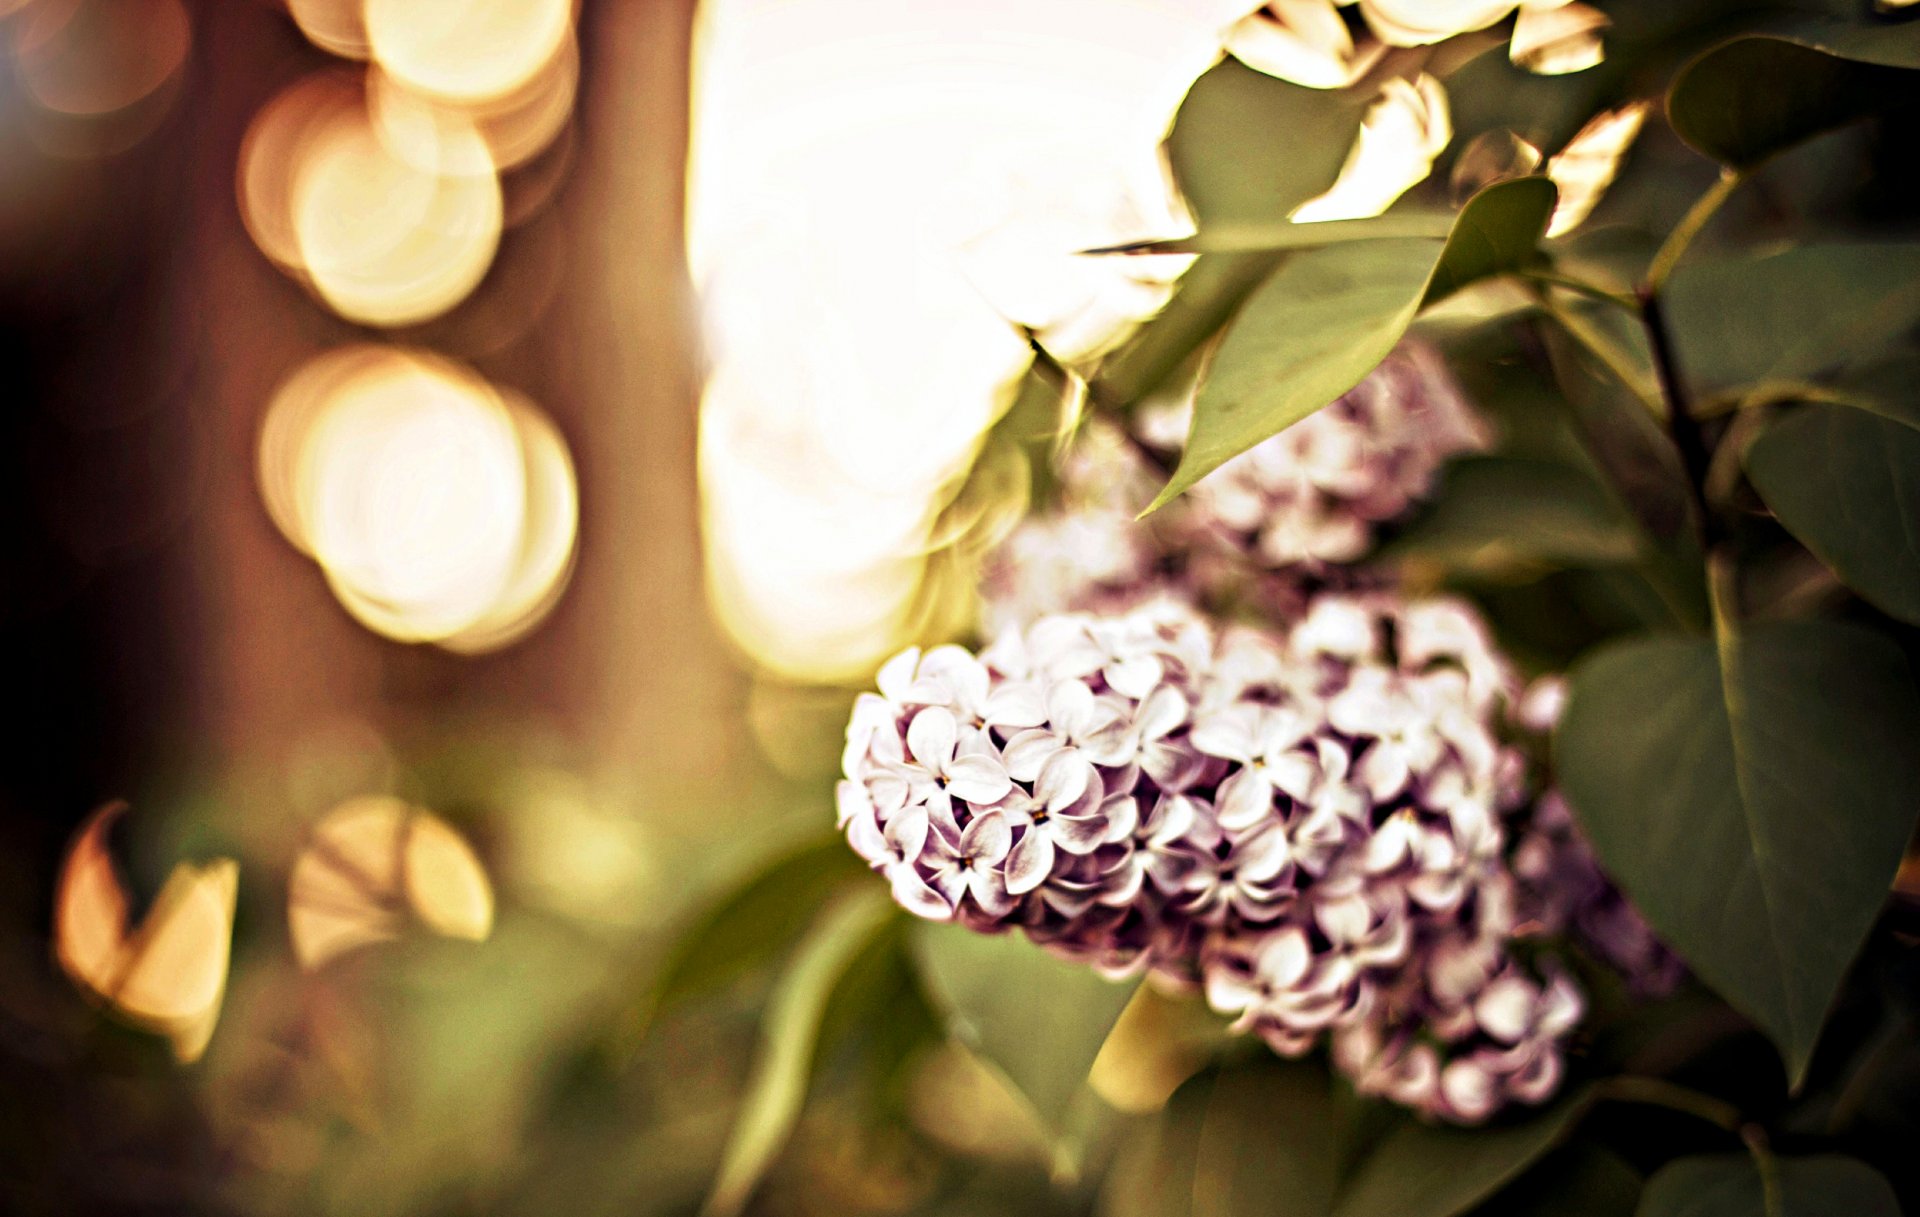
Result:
[{"x": 388, "y": 688}]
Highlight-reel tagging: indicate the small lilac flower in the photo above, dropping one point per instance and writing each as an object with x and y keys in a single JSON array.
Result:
[
  {"x": 1063, "y": 815},
  {"x": 968, "y": 865},
  {"x": 947, "y": 765}
]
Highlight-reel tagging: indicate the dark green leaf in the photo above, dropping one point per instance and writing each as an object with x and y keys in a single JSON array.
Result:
[
  {"x": 1247, "y": 148},
  {"x": 1581, "y": 1180},
  {"x": 1256, "y": 1140},
  {"x": 1426, "y": 1170},
  {"x": 788, "y": 1034},
  {"x": 1847, "y": 484},
  {"x": 755, "y": 923},
  {"x": 1729, "y": 1185},
  {"x": 1797, "y": 315},
  {"x": 1748, "y": 98},
  {"x": 1753, "y": 806},
  {"x": 1039, "y": 1020},
  {"x": 1497, "y": 232},
  {"x": 1494, "y": 514},
  {"x": 1328, "y": 316}
]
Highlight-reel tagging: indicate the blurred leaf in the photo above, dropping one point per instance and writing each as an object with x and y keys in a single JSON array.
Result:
[
  {"x": 1493, "y": 513},
  {"x": 1039, "y": 1020},
  {"x": 1847, "y": 484},
  {"x": 1497, "y": 232},
  {"x": 1248, "y": 148},
  {"x": 1794, "y": 315},
  {"x": 755, "y": 923},
  {"x": 1753, "y": 799},
  {"x": 1729, "y": 1185},
  {"x": 1328, "y": 316},
  {"x": 789, "y": 1032},
  {"x": 1895, "y": 44},
  {"x": 1428, "y": 1170},
  {"x": 1752, "y": 96},
  {"x": 1258, "y": 1140},
  {"x": 879, "y": 1018},
  {"x": 1581, "y": 1180},
  {"x": 1624, "y": 439}
]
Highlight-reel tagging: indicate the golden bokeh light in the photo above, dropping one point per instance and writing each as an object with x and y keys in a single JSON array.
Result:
[
  {"x": 338, "y": 27},
  {"x": 271, "y": 148},
  {"x": 515, "y": 127},
  {"x": 439, "y": 508},
  {"x": 376, "y": 865},
  {"x": 466, "y": 51},
  {"x": 96, "y": 57},
  {"x": 169, "y": 975},
  {"x": 1303, "y": 41},
  {"x": 1588, "y": 164},
  {"x": 384, "y": 239}
]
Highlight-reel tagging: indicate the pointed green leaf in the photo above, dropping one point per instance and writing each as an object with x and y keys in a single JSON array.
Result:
[
  {"x": 1755, "y": 95},
  {"x": 789, "y": 1033},
  {"x": 1328, "y": 316},
  {"x": 1753, "y": 804},
  {"x": 1847, "y": 483},
  {"x": 1427, "y": 1170},
  {"x": 1038, "y": 1019},
  {"x": 1730, "y": 1185},
  {"x": 1499, "y": 231}
]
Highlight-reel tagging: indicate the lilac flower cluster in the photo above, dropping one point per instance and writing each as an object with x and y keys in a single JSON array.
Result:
[
  {"x": 1269, "y": 526},
  {"x": 1309, "y": 827}
]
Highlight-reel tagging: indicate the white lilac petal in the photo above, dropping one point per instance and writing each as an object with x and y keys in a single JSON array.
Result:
[
  {"x": 1505, "y": 1008},
  {"x": 1245, "y": 800},
  {"x": 1135, "y": 676},
  {"x": 979, "y": 778},
  {"x": 916, "y": 896},
  {"x": 896, "y": 675},
  {"x": 1468, "y": 1090},
  {"x": 987, "y": 839},
  {"x": 1029, "y": 862},
  {"x": 1027, "y": 753},
  {"x": 906, "y": 833},
  {"x": 1066, "y": 779},
  {"x": 932, "y": 737}
]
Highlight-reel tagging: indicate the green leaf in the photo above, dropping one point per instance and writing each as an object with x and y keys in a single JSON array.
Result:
[
  {"x": 1797, "y": 315},
  {"x": 1209, "y": 294},
  {"x": 1277, "y": 235},
  {"x": 1037, "y": 1019},
  {"x": 1730, "y": 1185},
  {"x": 1499, "y": 231},
  {"x": 757, "y": 920},
  {"x": 1258, "y": 1140},
  {"x": 1753, "y": 800},
  {"x": 1755, "y": 95},
  {"x": 1247, "y": 148},
  {"x": 788, "y": 1034},
  {"x": 1426, "y": 1170},
  {"x": 1581, "y": 1180},
  {"x": 1847, "y": 484},
  {"x": 1494, "y": 514},
  {"x": 1328, "y": 316}
]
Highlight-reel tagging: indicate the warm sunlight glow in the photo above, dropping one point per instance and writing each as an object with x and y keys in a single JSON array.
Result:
[
  {"x": 338, "y": 27},
  {"x": 1399, "y": 138},
  {"x": 440, "y": 509},
  {"x": 373, "y": 866},
  {"x": 167, "y": 976},
  {"x": 878, "y": 191},
  {"x": 1586, "y": 166},
  {"x": 467, "y": 50}
]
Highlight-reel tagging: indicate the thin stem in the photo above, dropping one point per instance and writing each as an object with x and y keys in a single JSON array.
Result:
[
  {"x": 1675, "y": 246},
  {"x": 1688, "y": 440},
  {"x": 1593, "y": 291},
  {"x": 1658, "y": 1092},
  {"x": 1596, "y": 344},
  {"x": 1755, "y": 1139}
]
